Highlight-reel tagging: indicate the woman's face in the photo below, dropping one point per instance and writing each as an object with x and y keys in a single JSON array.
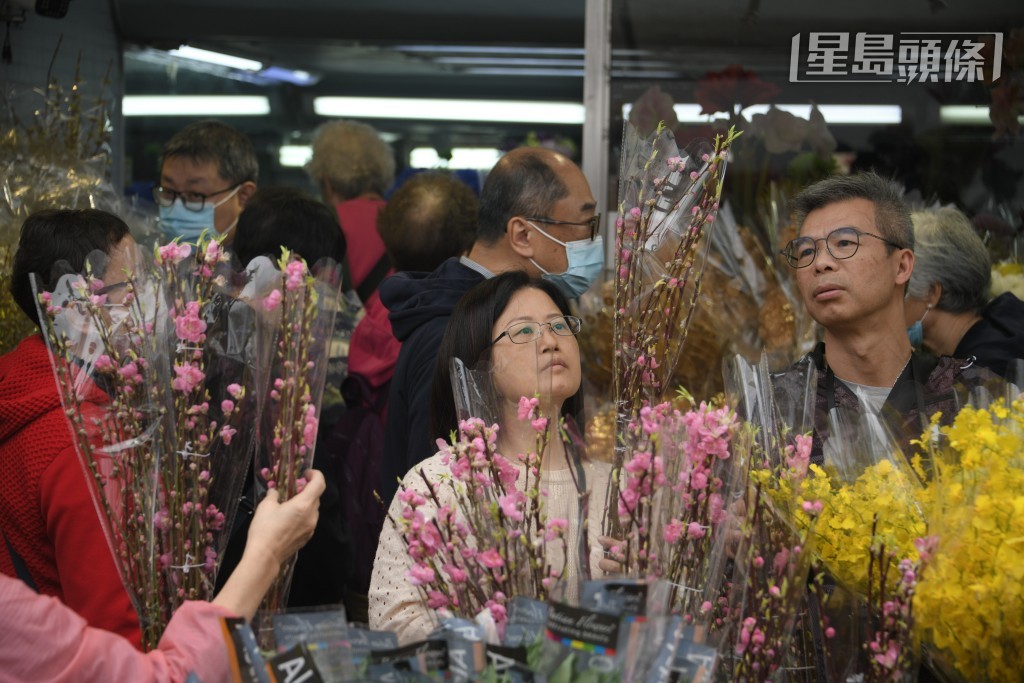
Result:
[{"x": 548, "y": 365}]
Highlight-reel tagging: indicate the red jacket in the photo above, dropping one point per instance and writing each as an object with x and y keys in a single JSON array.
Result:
[
  {"x": 47, "y": 510},
  {"x": 373, "y": 349}
]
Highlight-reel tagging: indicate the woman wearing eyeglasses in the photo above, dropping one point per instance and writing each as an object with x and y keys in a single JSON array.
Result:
[{"x": 523, "y": 330}]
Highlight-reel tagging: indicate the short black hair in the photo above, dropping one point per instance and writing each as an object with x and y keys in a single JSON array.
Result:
[
  {"x": 59, "y": 235},
  {"x": 210, "y": 140},
  {"x": 276, "y": 217},
  {"x": 430, "y": 218},
  {"x": 892, "y": 216},
  {"x": 468, "y": 338},
  {"x": 522, "y": 183}
]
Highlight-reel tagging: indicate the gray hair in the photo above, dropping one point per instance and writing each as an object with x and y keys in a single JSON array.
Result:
[
  {"x": 217, "y": 142},
  {"x": 950, "y": 253},
  {"x": 892, "y": 217},
  {"x": 522, "y": 183},
  {"x": 352, "y": 158}
]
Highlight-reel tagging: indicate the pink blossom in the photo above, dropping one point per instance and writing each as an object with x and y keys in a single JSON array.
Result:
[
  {"x": 672, "y": 531},
  {"x": 436, "y": 599},
  {"x": 695, "y": 530},
  {"x": 272, "y": 301},
  {"x": 130, "y": 371},
  {"x": 498, "y": 612},
  {"x": 888, "y": 658},
  {"x": 213, "y": 251},
  {"x": 103, "y": 363},
  {"x": 226, "y": 434},
  {"x": 98, "y": 299},
  {"x": 296, "y": 272},
  {"x": 227, "y": 406},
  {"x": 527, "y": 406},
  {"x": 188, "y": 325},
  {"x": 540, "y": 424},
  {"x": 706, "y": 606},
  {"x": 456, "y": 574},
  {"x": 556, "y": 528},
  {"x": 188, "y": 376},
  {"x": 510, "y": 505},
  {"x": 926, "y": 547},
  {"x": 491, "y": 559},
  {"x": 174, "y": 252},
  {"x": 420, "y": 575}
]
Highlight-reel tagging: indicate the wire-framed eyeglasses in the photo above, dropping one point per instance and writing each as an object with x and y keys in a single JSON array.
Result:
[
  {"x": 193, "y": 201},
  {"x": 593, "y": 223},
  {"x": 525, "y": 331},
  {"x": 842, "y": 243}
]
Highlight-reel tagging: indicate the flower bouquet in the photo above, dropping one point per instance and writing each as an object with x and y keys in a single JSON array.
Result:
[
  {"x": 298, "y": 307},
  {"x": 969, "y": 601},
  {"x": 155, "y": 399},
  {"x": 667, "y": 202},
  {"x": 673, "y": 497},
  {"x": 501, "y": 512}
]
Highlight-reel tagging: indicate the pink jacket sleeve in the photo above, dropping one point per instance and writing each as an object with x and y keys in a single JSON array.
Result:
[{"x": 45, "y": 641}]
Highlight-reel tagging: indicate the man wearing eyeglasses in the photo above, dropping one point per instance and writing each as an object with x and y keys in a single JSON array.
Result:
[
  {"x": 207, "y": 175},
  {"x": 537, "y": 214},
  {"x": 852, "y": 261}
]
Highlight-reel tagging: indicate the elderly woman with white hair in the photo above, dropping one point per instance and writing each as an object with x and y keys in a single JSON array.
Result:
[{"x": 947, "y": 306}]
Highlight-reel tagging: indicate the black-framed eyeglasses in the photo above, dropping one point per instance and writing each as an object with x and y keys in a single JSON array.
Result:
[
  {"x": 593, "y": 223},
  {"x": 842, "y": 243},
  {"x": 193, "y": 201},
  {"x": 525, "y": 331}
]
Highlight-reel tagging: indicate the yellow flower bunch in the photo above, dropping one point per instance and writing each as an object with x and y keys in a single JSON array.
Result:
[
  {"x": 970, "y": 601},
  {"x": 843, "y": 531}
]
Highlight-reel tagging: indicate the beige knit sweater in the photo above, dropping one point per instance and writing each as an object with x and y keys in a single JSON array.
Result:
[{"x": 397, "y": 605}]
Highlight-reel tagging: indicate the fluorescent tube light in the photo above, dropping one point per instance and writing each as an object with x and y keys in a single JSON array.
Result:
[
  {"x": 294, "y": 155},
  {"x": 195, "y": 105},
  {"x": 835, "y": 114},
  {"x": 964, "y": 115},
  {"x": 194, "y": 53},
  {"x": 449, "y": 110},
  {"x": 476, "y": 158}
]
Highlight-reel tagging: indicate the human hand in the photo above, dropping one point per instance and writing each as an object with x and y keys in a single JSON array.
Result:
[
  {"x": 613, "y": 560},
  {"x": 280, "y": 529}
]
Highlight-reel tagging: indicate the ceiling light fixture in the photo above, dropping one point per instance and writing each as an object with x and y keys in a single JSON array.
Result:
[
  {"x": 966, "y": 115},
  {"x": 231, "y": 61},
  {"x": 835, "y": 114},
  {"x": 450, "y": 110},
  {"x": 195, "y": 105}
]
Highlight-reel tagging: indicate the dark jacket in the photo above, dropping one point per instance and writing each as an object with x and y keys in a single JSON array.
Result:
[
  {"x": 998, "y": 337},
  {"x": 927, "y": 385},
  {"x": 420, "y": 305}
]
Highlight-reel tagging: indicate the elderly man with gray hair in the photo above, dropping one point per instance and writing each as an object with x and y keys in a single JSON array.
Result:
[{"x": 947, "y": 306}]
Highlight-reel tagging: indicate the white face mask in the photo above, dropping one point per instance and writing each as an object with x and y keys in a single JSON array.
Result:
[{"x": 585, "y": 260}]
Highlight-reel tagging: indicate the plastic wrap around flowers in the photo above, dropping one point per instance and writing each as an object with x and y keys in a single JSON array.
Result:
[
  {"x": 668, "y": 199},
  {"x": 296, "y": 306},
  {"x": 479, "y": 525},
  {"x": 155, "y": 376}
]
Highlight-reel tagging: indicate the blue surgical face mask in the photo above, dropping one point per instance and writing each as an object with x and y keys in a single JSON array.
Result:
[
  {"x": 177, "y": 221},
  {"x": 585, "y": 259},
  {"x": 916, "y": 331}
]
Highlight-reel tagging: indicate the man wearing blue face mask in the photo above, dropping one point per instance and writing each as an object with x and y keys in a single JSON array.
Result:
[
  {"x": 537, "y": 214},
  {"x": 207, "y": 175}
]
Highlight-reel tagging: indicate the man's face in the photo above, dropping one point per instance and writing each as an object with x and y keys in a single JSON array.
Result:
[
  {"x": 577, "y": 206},
  {"x": 181, "y": 174},
  {"x": 846, "y": 292}
]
